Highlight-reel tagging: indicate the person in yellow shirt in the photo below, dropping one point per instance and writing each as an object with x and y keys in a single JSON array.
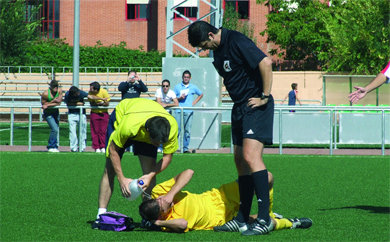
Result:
[
  {"x": 172, "y": 209},
  {"x": 99, "y": 117},
  {"x": 145, "y": 124}
]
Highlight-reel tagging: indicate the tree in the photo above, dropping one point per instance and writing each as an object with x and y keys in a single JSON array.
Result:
[
  {"x": 16, "y": 30},
  {"x": 231, "y": 20},
  {"x": 337, "y": 35}
]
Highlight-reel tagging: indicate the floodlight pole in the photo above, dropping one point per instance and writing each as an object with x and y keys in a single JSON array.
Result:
[{"x": 76, "y": 43}]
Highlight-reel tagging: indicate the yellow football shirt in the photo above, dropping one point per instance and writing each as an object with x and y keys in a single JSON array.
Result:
[
  {"x": 103, "y": 94},
  {"x": 209, "y": 209},
  {"x": 131, "y": 116}
]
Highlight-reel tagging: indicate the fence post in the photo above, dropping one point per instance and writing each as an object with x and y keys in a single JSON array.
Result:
[
  {"x": 280, "y": 132},
  {"x": 29, "y": 128},
  {"x": 331, "y": 132},
  {"x": 383, "y": 131},
  {"x": 11, "y": 135}
]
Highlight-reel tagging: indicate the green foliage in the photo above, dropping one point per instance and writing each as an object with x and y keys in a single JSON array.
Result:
[
  {"x": 16, "y": 31},
  {"x": 57, "y": 53},
  {"x": 348, "y": 36},
  {"x": 231, "y": 20}
]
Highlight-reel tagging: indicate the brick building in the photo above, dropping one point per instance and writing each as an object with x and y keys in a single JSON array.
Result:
[{"x": 139, "y": 23}]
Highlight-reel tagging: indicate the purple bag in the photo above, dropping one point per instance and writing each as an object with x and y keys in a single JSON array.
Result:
[{"x": 114, "y": 221}]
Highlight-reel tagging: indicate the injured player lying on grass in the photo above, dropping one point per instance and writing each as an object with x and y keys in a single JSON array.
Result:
[{"x": 174, "y": 210}]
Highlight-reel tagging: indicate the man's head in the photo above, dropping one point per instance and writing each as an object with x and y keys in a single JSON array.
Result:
[
  {"x": 203, "y": 35},
  {"x": 165, "y": 85},
  {"x": 186, "y": 77},
  {"x": 294, "y": 86},
  {"x": 154, "y": 208},
  {"x": 158, "y": 128},
  {"x": 94, "y": 87},
  {"x": 54, "y": 85},
  {"x": 131, "y": 75}
]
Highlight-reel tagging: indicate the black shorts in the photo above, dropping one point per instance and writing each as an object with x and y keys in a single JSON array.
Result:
[
  {"x": 254, "y": 123},
  {"x": 139, "y": 148}
]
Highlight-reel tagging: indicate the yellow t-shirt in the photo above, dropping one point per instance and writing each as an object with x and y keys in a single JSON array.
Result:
[
  {"x": 103, "y": 94},
  {"x": 131, "y": 116},
  {"x": 209, "y": 209}
]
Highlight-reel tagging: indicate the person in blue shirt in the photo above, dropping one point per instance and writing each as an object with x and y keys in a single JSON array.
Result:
[
  {"x": 185, "y": 93},
  {"x": 292, "y": 96}
]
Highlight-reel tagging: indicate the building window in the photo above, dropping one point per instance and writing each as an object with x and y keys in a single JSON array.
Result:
[
  {"x": 189, "y": 12},
  {"x": 241, "y": 7},
  {"x": 137, "y": 11},
  {"x": 50, "y": 13}
]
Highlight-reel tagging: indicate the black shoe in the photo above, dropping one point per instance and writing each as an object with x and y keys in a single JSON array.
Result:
[
  {"x": 259, "y": 227},
  {"x": 231, "y": 226},
  {"x": 301, "y": 223},
  {"x": 186, "y": 151}
]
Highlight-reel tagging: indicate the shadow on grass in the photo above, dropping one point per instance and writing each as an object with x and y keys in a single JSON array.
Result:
[{"x": 371, "y": 209}]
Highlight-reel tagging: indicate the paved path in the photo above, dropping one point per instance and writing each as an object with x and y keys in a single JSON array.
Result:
[{"x": 295, "y": 151}]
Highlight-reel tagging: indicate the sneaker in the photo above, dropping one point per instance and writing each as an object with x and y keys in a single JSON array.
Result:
[
  {"x": 259, "y": 227},
  {"x": 159, "y": 150},
  {"x": 301, "y": 223},
  {"x": 73, "y": 150},
  {"x": 54, "y": 150},
  {"x": 231, "y": 226},
  {"x": 103, "y": 150},
  {"x": 98, "y": 151}
]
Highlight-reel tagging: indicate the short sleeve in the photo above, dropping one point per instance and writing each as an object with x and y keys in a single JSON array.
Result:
[
  {"x": 245, "y": 48},
  {"x": 162, "y": 188}
]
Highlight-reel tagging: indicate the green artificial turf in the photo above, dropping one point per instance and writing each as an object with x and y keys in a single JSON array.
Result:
[{"x": 53, "y": 197}]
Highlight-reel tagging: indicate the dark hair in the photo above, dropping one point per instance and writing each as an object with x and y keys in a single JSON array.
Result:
[
  {"x": 199, "y": 32},
  {"x": 74, "y": 92},
  {"x": 53, "y": 84},
  {"x": 149, "y": 210},
  {"x": 294, "y": 85},
  {"x": 166, "y": 80},
  {"x": 186, "y": 72},
  {"x": 158, "y": 128},
  {"x": 128, "y": 73},
  {"x": 95, "y": 85}
]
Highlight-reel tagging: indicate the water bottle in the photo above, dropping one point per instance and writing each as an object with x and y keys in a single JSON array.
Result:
[{"x": 135, "y": 189}]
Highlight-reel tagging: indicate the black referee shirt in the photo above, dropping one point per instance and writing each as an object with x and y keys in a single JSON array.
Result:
[{"x": 237, "y": 61}]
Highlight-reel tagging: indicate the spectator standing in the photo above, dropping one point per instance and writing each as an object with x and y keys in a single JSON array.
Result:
[
  {"x": 99, "y": 117},
  {"x": 185, "y": 92},
  {"x": 75, "y": 97},
  {"x": 132, "y": 87},
  {"x": 51, "y": 98},
  {"x": 166, "y": 98},
  {"x": 292, "y": 96}
]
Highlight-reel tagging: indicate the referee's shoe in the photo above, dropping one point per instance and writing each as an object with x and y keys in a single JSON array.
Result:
[{"x": 259, "y": 227}]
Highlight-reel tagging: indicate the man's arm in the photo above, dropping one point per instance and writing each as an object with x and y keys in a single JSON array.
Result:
[
  {"x": 265, "y": 68},
  {"x": 197, "y": 99},
  {"x": 142, "y": 87},
  {"x": 116, "y": 164},
  {"x": 174, "y": 104},
  {"x": 175, "y": 225},
  {"x": 361, "y": 92},
  {"x": 296, "y": 96}
]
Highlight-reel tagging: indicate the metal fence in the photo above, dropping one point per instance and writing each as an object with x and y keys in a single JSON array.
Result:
[{"x": 329, "y": 125}]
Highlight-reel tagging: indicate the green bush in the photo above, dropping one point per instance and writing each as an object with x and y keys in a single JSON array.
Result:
[{"x": 57, "y": 53}]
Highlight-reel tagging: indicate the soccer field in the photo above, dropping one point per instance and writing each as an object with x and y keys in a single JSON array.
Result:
[{"x": 53, "y": 196}]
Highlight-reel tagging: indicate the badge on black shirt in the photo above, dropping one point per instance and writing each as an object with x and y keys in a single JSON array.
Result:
[{"x": 226, "y": 66}]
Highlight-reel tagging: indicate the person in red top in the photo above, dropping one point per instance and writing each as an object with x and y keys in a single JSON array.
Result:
[{"x": 361, "y": 92}]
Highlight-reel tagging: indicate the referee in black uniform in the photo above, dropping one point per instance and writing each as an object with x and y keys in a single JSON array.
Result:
[{"x": 247, "y": 75}]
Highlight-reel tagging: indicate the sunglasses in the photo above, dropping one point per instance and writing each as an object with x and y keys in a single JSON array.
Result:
[{"x": 165, "y": 86}]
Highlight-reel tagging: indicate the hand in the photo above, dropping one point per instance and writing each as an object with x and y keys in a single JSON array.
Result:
[
  {"x": 146, "y": 179},
  {"x": 44, "y": 106},
  {"x": 124, "y": 184},
  {"x": 255, "y": 102},
  {"x": 167, "y": 198},
  {"x": 355, "y": 96}
]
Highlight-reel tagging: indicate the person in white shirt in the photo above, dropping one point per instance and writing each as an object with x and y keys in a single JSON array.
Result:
[{"x": 165, "y": 96}]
